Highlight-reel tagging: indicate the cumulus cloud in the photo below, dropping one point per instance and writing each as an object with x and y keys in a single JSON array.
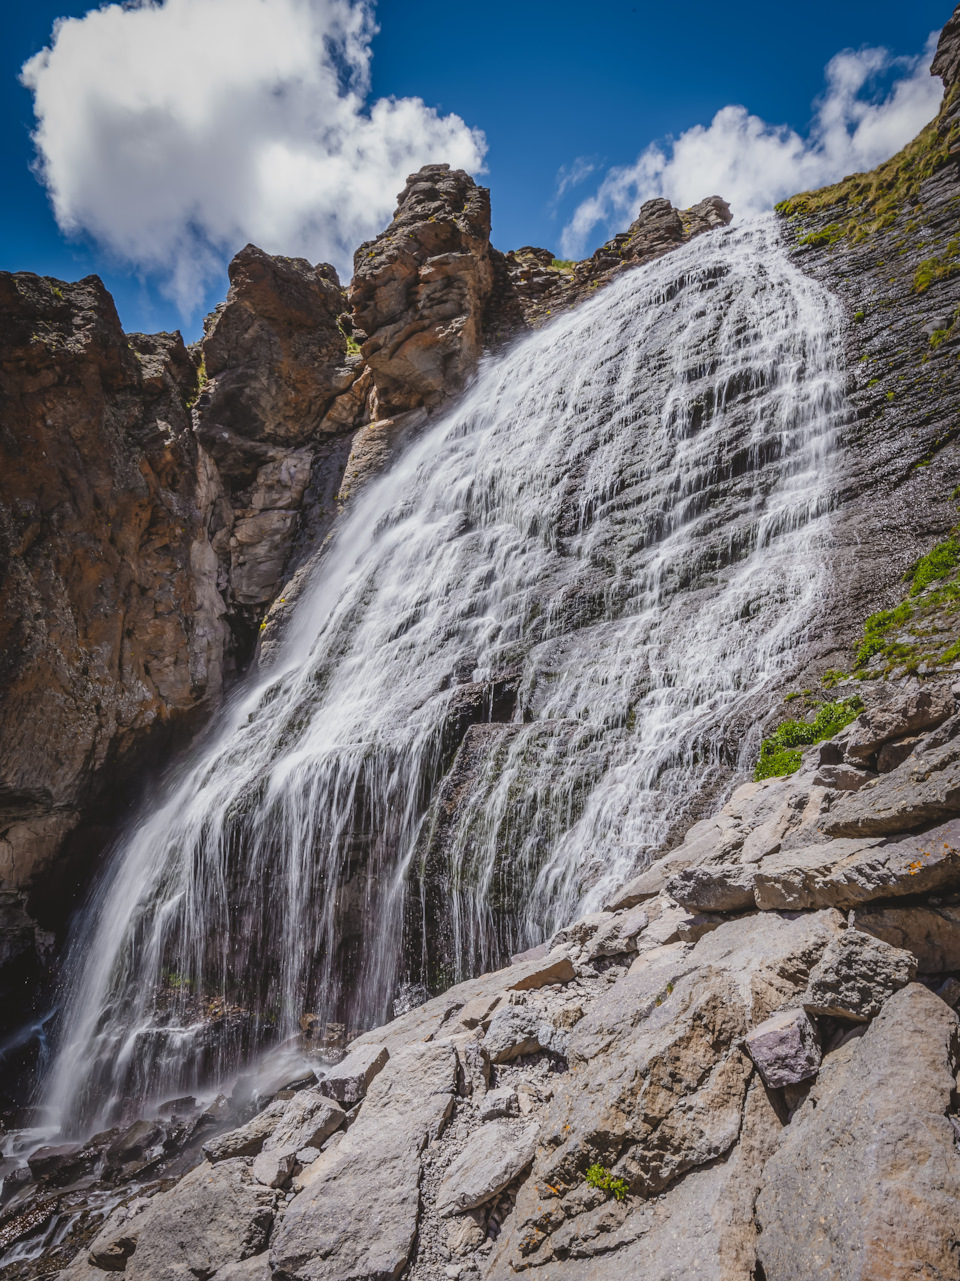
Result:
[
  {"x": 753, "y": 164},
  {"x": 174, "y": 131}
]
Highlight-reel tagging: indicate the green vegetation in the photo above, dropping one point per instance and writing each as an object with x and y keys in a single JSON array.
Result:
[
  {"x": 600, "y": 1177},
  {"x": 936, "y": 565},
  {"x": 564, "y": 264},
  {"x": 858, "y": 318},
  {"x": 202, "y": 381},
  {"x": 933, "y": 269},
  {"x": 868, "y": 202},
  {"x": 779, "y": 753}
]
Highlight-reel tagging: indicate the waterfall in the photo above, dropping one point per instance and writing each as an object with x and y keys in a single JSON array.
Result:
[{"x": 534, "y": 647}]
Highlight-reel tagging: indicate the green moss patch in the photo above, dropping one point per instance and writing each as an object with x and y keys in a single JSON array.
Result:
[{"x": 779, "y": 753}]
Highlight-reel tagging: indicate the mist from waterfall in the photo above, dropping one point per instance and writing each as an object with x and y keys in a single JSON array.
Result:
[{"x": 534, "y": 646}]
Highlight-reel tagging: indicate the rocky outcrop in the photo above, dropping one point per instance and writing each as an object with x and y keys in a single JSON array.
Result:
[
  {"x": 530, "y": 285},
  {"x": 419, "y": 291}
]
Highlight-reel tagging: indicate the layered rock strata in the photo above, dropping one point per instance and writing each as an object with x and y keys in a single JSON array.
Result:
[{"x": 886, "y": 244}]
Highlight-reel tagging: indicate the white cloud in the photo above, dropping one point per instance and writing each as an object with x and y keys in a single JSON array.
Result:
[
  {"x": 174, "y": 132},
  {"x": 753, "y": 164}
]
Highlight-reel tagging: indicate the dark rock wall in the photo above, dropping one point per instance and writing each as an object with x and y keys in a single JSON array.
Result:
[{"x": 886, "y": 244}]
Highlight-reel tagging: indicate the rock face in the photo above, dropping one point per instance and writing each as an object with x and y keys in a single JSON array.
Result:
[{"x": 419, "y": 291}]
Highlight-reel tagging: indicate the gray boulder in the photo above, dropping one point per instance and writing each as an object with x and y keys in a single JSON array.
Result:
[
  {"x": 349, "y": 1081},
  {"x": 307, "y": 1122},
  {"x": 499, "y": 1103},
  {"x": 357, "y": 1214},
  {"x": 895, "y": 714},
  {"x": 494, "y": 1156},
  {"x": 215, "y": 1216},
  {"x": 866, "y": 1181},
  {"x": 847, "y": 872},
  {"x": 785, "y": 1048},
  {"x": 712, "y": 888},
  {"x": 248, "y": 1139},
  {"x": 932, "y": 934},
  {"x": 924, "y": 789},
  {"x": 618, "y": 934},
  {"x": 856, "y": 975},
  {"x": 512, "y": 1032}
]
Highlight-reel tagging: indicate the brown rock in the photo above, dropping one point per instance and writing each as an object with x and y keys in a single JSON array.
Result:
[
  {"x": 419, "y": 290},
  {"x": 932, "y": 934}
]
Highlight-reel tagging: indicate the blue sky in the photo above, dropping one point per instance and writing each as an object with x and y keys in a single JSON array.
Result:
[{"x": 556, "y": 89}]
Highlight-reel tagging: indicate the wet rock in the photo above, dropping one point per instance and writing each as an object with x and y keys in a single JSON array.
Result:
[
  {"x": 867, "y": 1177},
  {"x": 307, "y": 1122},
  {"x": 248, "y": 1139},
  {"x": 856, "y": 975},
  {"x": 62, "y": 1164},
  {"x": 216, "y": 1215},
  {"x": 134, "y": 1142},
  {"x": 512, "y": 1032},
  {"x": 931, "y": 934},
  {"x": 845, "y": 873},
  {"x": 496, "y": 1155},
  {"x": 357, "y": 1214},
  {"x": 714, "y": 889},
  {"x": 349, "y": 1081},
  {"x": 785, "y": 1048}
]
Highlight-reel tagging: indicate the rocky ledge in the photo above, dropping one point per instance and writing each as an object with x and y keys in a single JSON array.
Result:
[{"x": 744, "y": 1066}]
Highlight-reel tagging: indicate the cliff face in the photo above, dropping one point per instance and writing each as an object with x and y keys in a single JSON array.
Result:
[{"x": 885, "y": 243}]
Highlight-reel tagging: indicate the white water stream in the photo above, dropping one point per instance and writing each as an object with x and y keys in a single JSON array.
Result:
[{"x": 603, "y": 560}]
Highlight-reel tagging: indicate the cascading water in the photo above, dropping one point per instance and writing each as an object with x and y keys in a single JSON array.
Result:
[{"x": 531, "y": 649}]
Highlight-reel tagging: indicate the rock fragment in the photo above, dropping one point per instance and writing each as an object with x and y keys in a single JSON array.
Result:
[
  {"x": 349, "y": 1081},
  {"x": 494, "y": 1156},
  {"x": 785, "y": 1048}
]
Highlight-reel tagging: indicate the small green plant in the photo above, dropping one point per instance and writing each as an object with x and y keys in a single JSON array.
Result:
[
  {"x": 859, "y": 317},
  {"x": 933, "y": 269},
  {"x": 831, "y": 676},
  {"x": 937, "y": 564},
  {"x": 564, "y": 264},
  {"x": 202, "y": 381},
  {"x": 876, "y": 631},
  {"x": 600, "y": 1177},
  {"x": 779, "y": 753}
]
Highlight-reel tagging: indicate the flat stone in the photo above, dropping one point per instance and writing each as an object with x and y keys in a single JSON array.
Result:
[
  {"x": 842, "y": 778},
  {"x": 512, "y": 1032},
  {"x": 932, "y": 934},
  {"x": 478, "y": 1012},
  {"x": 349, "y": 1081},
  {"x": 866, "y": 1181},
  {"x": 891, "y": 755},
  {"x": 724, "y": 888},
  {"x": 553, "y": 968},
  {"x": 856, "y": 975},
  {"x": 214, "y": 1216},
  {"x": 785, "y": 1048},
  {"x": 494, "y": 1156},
  {"x": 844, "y": 873}
]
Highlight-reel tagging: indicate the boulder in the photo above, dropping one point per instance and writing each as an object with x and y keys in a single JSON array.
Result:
[
  {"x": 897, "y": 713},
  {"x": 499, "y": 1103},
  {"x": 357, "y": 1214},
  {"x": 246, "y": 1140},
  {"x": 856, "y": 975},
  {"x": 494, "y": 1156},
  {"x": 349, "y": 1081},
  {"x": 307, "y": 1122},
  {"x": 846, "y": 872},
  {"x": 931, "y": 934},
  {"x": 618, "y": 934},
  {"x": 866, "y": 1180},
  {"x": 117, "y": 1239},
  {"x": 512, "y": 1032},
  {"x": 924, "y": 789},
  {"x": 785, "y": 1048},
  {"x": 214, "y": 1216},
  {"x": 724, "y": 888}
]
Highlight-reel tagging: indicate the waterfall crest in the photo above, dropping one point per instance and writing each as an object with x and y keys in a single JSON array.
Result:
[{"x": 533, "y": 647}]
